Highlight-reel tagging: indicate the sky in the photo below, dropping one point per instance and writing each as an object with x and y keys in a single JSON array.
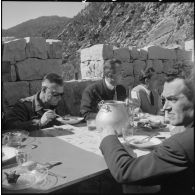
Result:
[{"x": 16, "y": 12}]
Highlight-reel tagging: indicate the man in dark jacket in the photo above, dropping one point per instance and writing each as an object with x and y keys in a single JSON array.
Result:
[
  {"x": 39, "y": 111},
  {"x": 170, "y": 165},
  {"x": 106, "y": 89}
]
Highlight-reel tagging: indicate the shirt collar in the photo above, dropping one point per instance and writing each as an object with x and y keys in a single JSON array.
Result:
[
  {"x": 191, "y": 124},
  {"x": 108, "y": 85},
  {"x": 38, "y": 104}
]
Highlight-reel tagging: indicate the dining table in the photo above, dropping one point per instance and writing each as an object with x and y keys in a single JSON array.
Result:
[{"x": 77, "y": 149}]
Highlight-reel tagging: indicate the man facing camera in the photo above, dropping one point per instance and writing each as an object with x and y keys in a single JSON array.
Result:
[
  {"x": 171, "y": 164},
  {"x": 39, "y": 111},
  {"x": 106, "y": 89}
]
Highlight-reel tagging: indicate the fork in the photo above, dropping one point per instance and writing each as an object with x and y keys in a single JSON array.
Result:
[
  {"x": 55, "y": 113},
  {"x": 54, "y": 174}
]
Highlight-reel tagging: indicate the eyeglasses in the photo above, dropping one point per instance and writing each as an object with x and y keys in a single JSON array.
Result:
[
  {"x": 112, "y": 76},
  {"x": 57, "y": 94}
]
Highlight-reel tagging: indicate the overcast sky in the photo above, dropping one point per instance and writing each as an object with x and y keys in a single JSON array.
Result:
[{"x": 16, "y": 12}]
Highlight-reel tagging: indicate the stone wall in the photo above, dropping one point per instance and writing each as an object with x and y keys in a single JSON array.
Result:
[
  {"x": 163, "y": 60},
  {"x": 25, "y": 61}
]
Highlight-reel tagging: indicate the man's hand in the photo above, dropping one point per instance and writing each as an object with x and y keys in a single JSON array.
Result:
[
  {"x": 47, "y": 117},
  {"x": 105, "y": 131}
]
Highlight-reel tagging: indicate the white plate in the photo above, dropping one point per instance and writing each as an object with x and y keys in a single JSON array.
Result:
[
  {"x": 70, "y": 119},
  {"x": 25, "y": 180},
  {"x": 8, "y": 153},
  {"x": 148, "y": 144}
]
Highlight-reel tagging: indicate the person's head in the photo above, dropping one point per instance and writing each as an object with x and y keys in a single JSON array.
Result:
[
  {"x": 179, "y": 101},
  {"x": 52, "y": 89},
  {"x": 146, "y": 75},
  {"x": 112, "y": 71}
]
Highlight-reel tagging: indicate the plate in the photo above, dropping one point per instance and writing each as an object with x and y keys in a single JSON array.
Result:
[
  {"x": 70, "y": 119},
  {"x": 8, "y": 153},
  {"x": 134, "y": 141},
  {"x": 25, "y": 180},
  {"x": 40, "y": 172}
]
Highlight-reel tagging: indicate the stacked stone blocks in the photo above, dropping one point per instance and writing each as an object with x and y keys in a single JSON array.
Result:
[
  {"x": 163, "y": 60},
  {"x": 24, "y": 63}
]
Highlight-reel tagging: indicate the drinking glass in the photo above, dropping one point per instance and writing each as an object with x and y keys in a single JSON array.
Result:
[
  {"x": 22, "y": 155},
  {"x": 129, "y": 132},
  {"x": 91, "y": 124}
]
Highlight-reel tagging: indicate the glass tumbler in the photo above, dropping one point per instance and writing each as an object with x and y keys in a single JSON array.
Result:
[
  {"x": 129, "y": 132},
  {"x": 22, "y": 155}
]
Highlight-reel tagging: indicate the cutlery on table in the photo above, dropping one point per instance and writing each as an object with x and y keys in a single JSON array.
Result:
[
  {"x": 50, "y": 165},
  {"x": 54, "y": 174},
  {"x": 57, "y": 115}
]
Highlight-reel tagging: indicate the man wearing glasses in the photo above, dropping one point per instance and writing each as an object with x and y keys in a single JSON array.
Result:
[
  {"x": 39, "y": 111},
  {"x": 106, "y": 89}
]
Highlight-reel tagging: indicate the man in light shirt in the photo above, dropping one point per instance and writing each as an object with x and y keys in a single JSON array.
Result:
[
  {"x": 106, "y": 89},
  {"x": 145, "y": 96}
]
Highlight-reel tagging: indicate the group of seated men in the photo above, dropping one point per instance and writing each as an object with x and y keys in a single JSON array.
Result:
[
  {"x": 39, "y": 110},
  {"x": 171, "y": 165}
]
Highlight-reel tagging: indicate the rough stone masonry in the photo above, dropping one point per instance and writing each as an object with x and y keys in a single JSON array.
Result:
[{"x": 27, "y": 60}]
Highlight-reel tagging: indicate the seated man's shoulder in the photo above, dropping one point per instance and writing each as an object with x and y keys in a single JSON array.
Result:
[
  {"x": 93, "y": 86},
  {"x": 27, "y": 99},
  {"x": 184, "y": 141},
  {"x": 138, "y": 88}
]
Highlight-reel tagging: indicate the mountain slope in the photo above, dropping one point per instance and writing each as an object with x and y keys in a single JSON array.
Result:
[
  {"x": 120, "y": 24},
  {"x": 129, "y": 24},
  {"x": 45, "y": 26}
]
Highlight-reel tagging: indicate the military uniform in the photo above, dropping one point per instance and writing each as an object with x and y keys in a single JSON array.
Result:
[{"x": 27, "y": 112}]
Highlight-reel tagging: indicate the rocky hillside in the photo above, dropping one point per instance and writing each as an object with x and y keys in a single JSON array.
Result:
[
  {"x": 120, "y": 24},
  {"x": 128, "y": 24},
  {"x": 45, "y": 26}
]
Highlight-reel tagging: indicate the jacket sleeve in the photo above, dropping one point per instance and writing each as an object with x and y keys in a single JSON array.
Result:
[
  {"x": 151, "y": 169},
  {"x": 18, "y": 118},
  {"x": 88, "y": 104}
]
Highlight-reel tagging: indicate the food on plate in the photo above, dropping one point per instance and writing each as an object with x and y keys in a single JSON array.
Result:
[
  {"x": 12, "y": 177},
  {"x": 29, "y": 165},
  {"x": 151, "y": 124},
  {"x": 137, "y": 141},
  {"x": 70, "y": 117}
]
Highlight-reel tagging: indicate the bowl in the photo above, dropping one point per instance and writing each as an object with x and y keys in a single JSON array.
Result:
[{"x": 14, "y": 137}]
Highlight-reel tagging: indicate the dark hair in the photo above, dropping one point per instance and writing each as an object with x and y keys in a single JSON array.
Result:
[
  {"x": 110, "y": 66},
  {"x": 171, "y": 77},
  {"x": 146, "y": 74},
  {"x": 53, "y": 78},
  {"x": 189, "y": 90}
]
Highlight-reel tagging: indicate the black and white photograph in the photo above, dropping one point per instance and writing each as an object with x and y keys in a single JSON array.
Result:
[{"x": 97, "y": 97}]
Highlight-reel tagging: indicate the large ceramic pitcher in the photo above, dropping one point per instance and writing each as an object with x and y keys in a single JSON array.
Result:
[{"x": 112, "y": 113}]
